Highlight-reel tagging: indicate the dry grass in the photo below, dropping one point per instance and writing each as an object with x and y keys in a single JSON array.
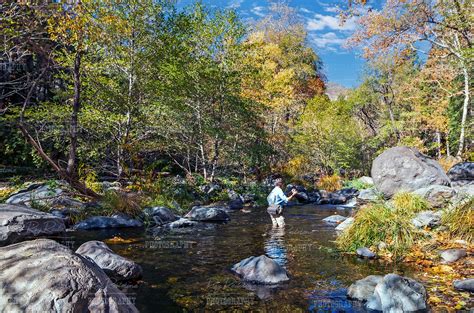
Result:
[
  {"x": 379, "y": 223},
  {"x": 330, "y": 183},
  {"x": 409, "y": 203},
  {"x": 459, "y": 220},
  {"x": 121, "y": 202}
]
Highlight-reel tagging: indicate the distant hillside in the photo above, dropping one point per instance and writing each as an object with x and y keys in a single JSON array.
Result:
[{"x": 334, "y": 90}]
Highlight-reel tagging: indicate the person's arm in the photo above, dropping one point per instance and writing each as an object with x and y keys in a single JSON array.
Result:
[{"x": 293, "y": 193}]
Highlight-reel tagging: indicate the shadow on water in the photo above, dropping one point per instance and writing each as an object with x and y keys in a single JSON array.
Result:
[{"x": 189, "y": 269}]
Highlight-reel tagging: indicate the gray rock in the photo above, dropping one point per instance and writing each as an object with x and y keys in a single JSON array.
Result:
[
  {"x": 39, "y": 193},
  {"x": 181, "y": 223},
  {"x": 363, "y": 289},
  {"x": 207, "y": 214},
  {"x": 114, "y": 265},
  {"x": 398, "y": 294},
  {"x": 405, "y": 169},
  {"x": 464, "y": 284},
  {"x": 114, "y": 221},
  {"x": 465, "y": 191},
  {"x": 261, "y": 270},
  {"x": 19, "y": 222},
  {"x": 427, "y": 219},
  {"x": 236, "y": 204},
  {"x": 452, "y": 255},
  {"x": 346, "y": 224},
  {"x": 160, "y": 215},
  {"x": 463, "y": 172},
  {"x": 365, "y": 253},
  {"x": 437, "y": 195},
  {"x": 45, "y": 276},
  {"x": 334, "y": 219},
  {"x": 366, "y": 180},
  {"x": 368, "y": 195}
]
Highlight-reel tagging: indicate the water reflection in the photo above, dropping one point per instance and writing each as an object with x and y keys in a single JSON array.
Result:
[{"x": 275, "y": 245}]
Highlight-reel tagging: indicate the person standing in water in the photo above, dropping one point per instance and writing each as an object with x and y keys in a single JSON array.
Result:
[{"x": 276, "y": 199}]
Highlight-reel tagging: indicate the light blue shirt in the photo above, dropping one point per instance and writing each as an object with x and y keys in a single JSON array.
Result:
[{"x": 277, "y": 197}]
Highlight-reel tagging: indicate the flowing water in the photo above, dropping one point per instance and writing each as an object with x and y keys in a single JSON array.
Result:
[{"x": 189, "y": 269}]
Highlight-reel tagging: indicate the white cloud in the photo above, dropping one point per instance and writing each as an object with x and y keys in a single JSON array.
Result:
[
  {"x": 333, "y": 9},
  {"x": 305, "y": 10},
  {"x": 327, "y": 40},
  {"x": 258, "y": 10},
  {"x": 320, "y": 22},
  {"x": 235, "y": 4}
]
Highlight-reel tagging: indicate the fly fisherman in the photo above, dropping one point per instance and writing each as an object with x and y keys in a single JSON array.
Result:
[{"x": 276, "y": 199}]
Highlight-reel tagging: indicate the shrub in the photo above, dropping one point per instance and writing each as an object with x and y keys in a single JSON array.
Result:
[
  {"x": 330, "y": 183},
  {"x": 379, "y": 223},
  {"x": 357, "y": 184},
  {"x": 120, "y": 202},
  {"x": 5, "y": 193},
  {"x": 459, "y": 220},
  {"x": 409, "y": 203}
]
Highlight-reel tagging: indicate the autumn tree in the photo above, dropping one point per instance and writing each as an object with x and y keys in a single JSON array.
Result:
[
  {"x": 443, "y": 25},
  {"x": 287, "y": 73}
]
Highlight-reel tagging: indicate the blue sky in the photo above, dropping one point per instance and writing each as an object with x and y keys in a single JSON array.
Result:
[{"x": 325, "y": 33}]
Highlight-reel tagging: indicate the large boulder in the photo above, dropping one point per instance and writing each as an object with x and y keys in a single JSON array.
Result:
[
  {"x": 406, "y": 169},
  {"x": 20, "y": 222},
  {"x": 114, "y": 221},
  {"x": 42, "y": 194},
  {"x": 398, "y": 294},
  {"x": 207, "y": 214},
  {"x": 364, "y": 288},
  {"x": 437, "y": 195},
  {"x": 45, "y": 276},
  {"x": 462, "y": 173},
  {"x": 260, "y": 270},
  {"x": 114, "y": 265}
]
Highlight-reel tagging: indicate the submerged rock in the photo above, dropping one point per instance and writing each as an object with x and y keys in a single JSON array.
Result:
[
  {"x": 364, "y": 288},
  {"x": 19, "y": 222},
  {"x": 334, "y": 219},
  {"x": 427, "y": 219},
  {"x": 437, "y": 195},
  {"x": 365, "y": 253},
  {"x": 260, "y": 270},
  {"x": 45, "y": 276},
  {"x": 114, "y": 221},
  {"x": 464, "y": 284},
  {"x": 452, "y": 255},
  {"x": 346, "y": 224},
  {"x": 398, "y": 294},
  {"x": 208, "y": 214},
  {"x": 114, "y": 265},
  {"x": 404, "y": 168}
]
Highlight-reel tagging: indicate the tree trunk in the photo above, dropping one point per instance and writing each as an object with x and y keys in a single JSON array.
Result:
[
  {"x": 464, "y": 110},
  {"x": 76, "y": 106}
]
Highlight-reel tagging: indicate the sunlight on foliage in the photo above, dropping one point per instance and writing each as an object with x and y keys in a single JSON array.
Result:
[
  {"x": 409, "y": 203},
  {"x": 120, "y": 202},
  {"x": 459, "y": 220},
  {"x": 330, "y": 183},
  {"x": 378, "y": 223}
]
